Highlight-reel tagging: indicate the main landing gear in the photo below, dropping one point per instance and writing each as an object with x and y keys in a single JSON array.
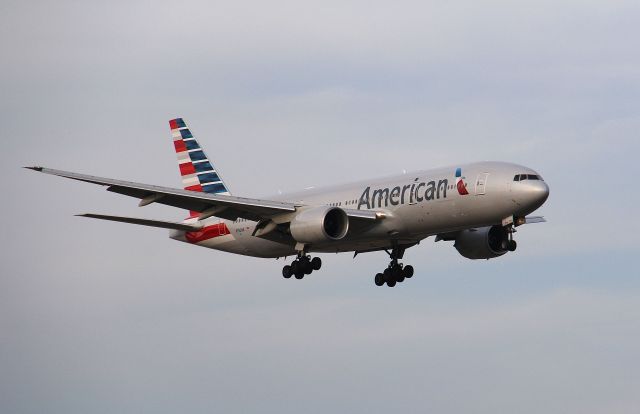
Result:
[
  {"x": 395, "y": 272},
  {"x": 303, "y": 265}
]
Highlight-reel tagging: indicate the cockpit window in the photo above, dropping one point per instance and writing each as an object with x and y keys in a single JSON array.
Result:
[{"x": 522, "y": 177}]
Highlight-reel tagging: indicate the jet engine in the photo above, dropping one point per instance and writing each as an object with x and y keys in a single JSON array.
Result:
[
  {"x": 484, "y": 242},
  {"x": 319, "y": 224}
]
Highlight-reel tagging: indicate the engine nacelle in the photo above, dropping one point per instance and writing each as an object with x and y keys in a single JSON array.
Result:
[
  {"x": 482, "y": 243},
  {"x": 319, "y": 224}
]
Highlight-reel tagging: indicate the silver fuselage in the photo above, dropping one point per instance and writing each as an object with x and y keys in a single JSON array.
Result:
[{"x": 416, "y": 205}]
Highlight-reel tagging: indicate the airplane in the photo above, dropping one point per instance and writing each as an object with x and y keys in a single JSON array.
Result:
[{"x": 477, "y": 206}]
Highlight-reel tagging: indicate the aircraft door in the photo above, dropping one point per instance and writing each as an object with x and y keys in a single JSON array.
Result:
[{"x": 481, "y": 183}]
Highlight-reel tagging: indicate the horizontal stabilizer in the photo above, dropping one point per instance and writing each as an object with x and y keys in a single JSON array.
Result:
[{"x": 145, "y": 222}]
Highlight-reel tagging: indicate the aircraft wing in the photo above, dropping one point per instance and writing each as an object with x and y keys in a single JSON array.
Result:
[{"x": 225, "y": 206}]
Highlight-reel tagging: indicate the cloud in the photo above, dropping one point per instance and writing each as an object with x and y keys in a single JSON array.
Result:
[{"x": 107, "y": 317}]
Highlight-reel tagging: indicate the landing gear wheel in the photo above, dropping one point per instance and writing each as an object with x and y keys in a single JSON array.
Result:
[
  {"x": 316, "y": 263},
  {"x": 398, "y": 274},
  {"x": 395, "y": 272},
  {"x": 299, "y": 275},
  {"x": 286, "y": 272},
  {"x": 512, "y": 245},
  {"x": 408, "y": 271},
  {"x": 386, "y": 275},
  {"x": 295, "y": 267},
  {"x": 306, "y": 267}
]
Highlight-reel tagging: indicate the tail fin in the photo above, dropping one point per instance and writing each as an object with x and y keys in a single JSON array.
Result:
[{"x": 198, "y": 174}]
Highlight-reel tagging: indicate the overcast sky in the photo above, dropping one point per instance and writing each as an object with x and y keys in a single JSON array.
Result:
[{"x": 100, "y": 317}]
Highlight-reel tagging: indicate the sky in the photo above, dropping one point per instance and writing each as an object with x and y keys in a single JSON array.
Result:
[{"x": 105, "y": 317}]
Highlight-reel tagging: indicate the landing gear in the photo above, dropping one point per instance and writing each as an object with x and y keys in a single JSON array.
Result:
[
  {"x": 302, "y": 266},
  {"x": 509, "y": 244},
  {"x": 395, "y": 272}
]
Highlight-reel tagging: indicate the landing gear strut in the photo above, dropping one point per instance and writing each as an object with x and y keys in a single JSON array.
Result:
[
  {"x": 509, "y": 244},
  {"x": 302, "y": 266},
  {"x": 395, "y": 272}
]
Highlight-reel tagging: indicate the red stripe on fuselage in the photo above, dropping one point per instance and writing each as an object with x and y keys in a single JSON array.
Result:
[{"x": 208, "y": 232}]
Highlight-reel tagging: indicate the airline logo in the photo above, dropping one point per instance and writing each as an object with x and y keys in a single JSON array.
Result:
[
  {"x": 460, "y": 185},
  {"x": 415, "y": 192},
  {"x": 198, "y": 174}
]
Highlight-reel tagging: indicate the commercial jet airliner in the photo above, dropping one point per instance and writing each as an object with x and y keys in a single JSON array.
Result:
[{"x": 478, "y": 206}]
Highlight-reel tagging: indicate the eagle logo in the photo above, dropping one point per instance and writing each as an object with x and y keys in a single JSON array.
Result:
[{"x": 460, "y": 185}]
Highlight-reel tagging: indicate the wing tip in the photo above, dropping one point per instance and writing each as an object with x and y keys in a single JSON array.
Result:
[{"x": 35, "y": 168}]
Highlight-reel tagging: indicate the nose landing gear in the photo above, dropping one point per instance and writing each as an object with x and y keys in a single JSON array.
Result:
[{"x": 509, "y": 244}]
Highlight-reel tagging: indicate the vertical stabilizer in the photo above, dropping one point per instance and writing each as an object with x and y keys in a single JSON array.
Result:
[{"x": 198, "y": 173}]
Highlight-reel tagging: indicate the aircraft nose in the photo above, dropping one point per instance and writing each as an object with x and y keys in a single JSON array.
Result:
[{"x": 536, "y": 193}]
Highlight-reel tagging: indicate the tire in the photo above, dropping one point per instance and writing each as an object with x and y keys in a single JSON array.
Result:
[
  {"x": 391, "y": 283},
  {"x": 512, "y": 246},
  {"x": 286, "y": 272},
  {"x": 379, "y": 279},
  {"x": 398, "y": 276},
  {"x": 307, "y": 267},
  {"x": 408, "y": 271},
  {"x": 316, "y": 263},
  {"x": 299, "y": 275},
  {"x": 295, "y": 267},
  {"x": 387, "y": 275}
]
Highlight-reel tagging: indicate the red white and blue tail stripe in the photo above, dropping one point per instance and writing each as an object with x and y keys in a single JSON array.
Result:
[{"x": 198, "y": 174}]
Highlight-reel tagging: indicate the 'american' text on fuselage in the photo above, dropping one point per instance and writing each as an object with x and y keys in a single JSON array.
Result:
[{"x": 408, "y": 193}]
